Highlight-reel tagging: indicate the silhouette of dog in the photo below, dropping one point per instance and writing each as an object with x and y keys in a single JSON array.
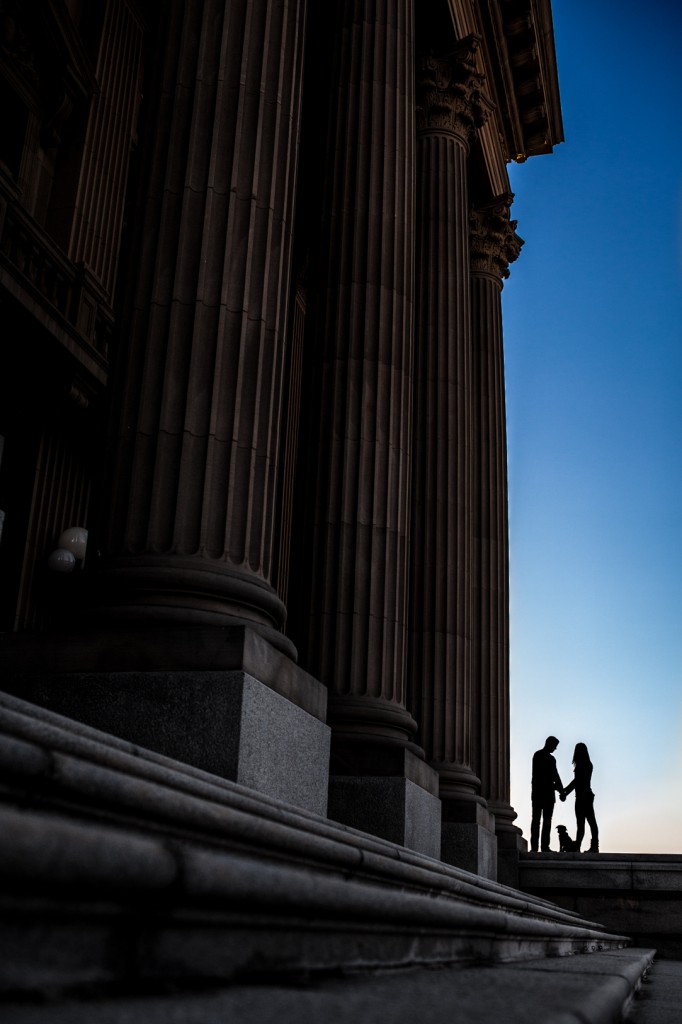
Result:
[{"x": 566, "y": 844}]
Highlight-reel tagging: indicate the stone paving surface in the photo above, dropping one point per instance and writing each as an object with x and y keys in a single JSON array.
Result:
[
  {"x": 660, "y": 998},
  {"x": 583, "y": 989}
]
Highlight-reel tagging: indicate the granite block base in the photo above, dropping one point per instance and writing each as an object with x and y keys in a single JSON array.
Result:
[
  {"x": 227, "y": 723},
  {"x": 470, "y": 846},
  {"x": 510, "y": 843},
  {"x": 392, "y": 807}
]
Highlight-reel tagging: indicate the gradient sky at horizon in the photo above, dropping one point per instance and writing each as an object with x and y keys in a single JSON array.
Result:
[{"x": 593, "y": 348}]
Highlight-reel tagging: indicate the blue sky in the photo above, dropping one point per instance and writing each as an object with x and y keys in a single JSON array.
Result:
[{"x": 593, "y": 341}]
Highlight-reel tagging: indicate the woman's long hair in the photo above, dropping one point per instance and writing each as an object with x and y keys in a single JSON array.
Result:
[{"x": 581, "y": 755}]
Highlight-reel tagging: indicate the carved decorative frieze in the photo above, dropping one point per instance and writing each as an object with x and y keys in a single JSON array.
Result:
[
  {"x": 493, "y": 241},
  {"x": 449, "y": 91}
]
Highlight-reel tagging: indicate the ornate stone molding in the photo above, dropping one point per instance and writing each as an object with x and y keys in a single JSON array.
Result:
[
  {"x": 449, "y": 91},
  {"x": 493, "y": 241}
]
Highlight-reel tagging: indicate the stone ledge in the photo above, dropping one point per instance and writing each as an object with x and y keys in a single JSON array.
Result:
[
  {"x": 604, "y": 870},
  {"x": 638, "y": 894}
]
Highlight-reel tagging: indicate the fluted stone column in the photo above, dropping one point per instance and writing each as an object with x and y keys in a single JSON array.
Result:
[
  {"x": 185, "y": 583},
  {"x": 192, "y": 518},
  {"x": 494, "y": 245},
  {"x": 364, "y": 332},
  {"x": 99, "y": 205},
  {"x": 450, "y": 107}
]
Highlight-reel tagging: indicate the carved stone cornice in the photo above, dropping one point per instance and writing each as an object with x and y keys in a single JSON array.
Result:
[
  {"x": 493, "y": 241},
  {"x": 449, "y": 91}
]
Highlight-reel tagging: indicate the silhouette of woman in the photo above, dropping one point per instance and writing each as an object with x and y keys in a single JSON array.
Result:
[{"x": 584, "y": 797}]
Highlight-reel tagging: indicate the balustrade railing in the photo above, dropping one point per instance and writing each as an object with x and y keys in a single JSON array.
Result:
[{"x": 68, "y": 292}]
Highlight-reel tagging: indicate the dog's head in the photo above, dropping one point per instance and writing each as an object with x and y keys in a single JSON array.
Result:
[{"x": 561, "y": 829}]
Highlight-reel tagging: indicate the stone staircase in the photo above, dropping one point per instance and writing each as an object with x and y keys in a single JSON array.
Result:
[
  {"x": 136, "y": 888},
  {"x": 568, "y": 990}
]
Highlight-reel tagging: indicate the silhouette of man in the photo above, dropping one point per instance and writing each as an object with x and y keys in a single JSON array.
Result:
[{"x": 545, "y": 781}]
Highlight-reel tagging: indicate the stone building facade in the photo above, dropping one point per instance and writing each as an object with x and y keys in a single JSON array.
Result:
[
  {"x": 254, "y": 701},
  {"x": 251, "y": 259}
]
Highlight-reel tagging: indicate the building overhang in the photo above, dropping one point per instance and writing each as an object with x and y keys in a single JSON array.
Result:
[
  {"x": 523, "y": 75},
  {"x": 518, "y": 59}
]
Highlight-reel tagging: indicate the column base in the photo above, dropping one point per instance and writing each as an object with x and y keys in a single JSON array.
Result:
[
  {"x": 470, "y": 846},
  {"x": 395, "y": 799},
  {"x": 259, "y": 720},
  {"x": 510, "y": 843},
  {"x": 175, "y": 591}
]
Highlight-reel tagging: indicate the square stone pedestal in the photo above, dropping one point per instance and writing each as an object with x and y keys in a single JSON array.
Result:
[
  {"x": 470, "y": 846},
  {"x": 402, "y": 806},
  {"x": 469, "y": 840},
  {"x": 259, "y": 720},
  {"x": 510, "y": 843}
]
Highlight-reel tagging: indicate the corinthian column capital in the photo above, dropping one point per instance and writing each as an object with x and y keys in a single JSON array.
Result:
[
  {"x": 493, "y": 241},
  {"x": 449, "y": 91}
]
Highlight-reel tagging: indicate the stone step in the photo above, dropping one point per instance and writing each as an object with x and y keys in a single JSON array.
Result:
[
  {"x": 660, "y": 997},
  {"x": 595, "y": 989},
  {"x": 121, "y": 869}
]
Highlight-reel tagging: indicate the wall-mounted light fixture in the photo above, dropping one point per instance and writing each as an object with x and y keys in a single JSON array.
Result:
[{"x": 70, "y": 550}]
